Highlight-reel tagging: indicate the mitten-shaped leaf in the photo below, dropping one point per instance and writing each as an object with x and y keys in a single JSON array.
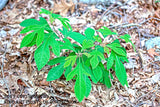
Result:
[
  {"x": 41, "y": 56},
  {"x": 55, "y": 72}
]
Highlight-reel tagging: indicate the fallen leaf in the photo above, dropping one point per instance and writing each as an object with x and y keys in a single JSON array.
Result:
[
  {"x": 152, "y": 52},
  {"x": 63, "y": 7}
]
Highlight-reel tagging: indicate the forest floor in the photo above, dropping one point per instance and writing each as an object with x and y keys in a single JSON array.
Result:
[{"x": 23, "y": 82}]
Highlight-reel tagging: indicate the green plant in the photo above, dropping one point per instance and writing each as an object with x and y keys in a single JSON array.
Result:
[
  {"x": 157, "y": 1},
  {"x": 85, "y": 60}
]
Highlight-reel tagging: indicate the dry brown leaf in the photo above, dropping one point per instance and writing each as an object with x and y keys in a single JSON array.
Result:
[
  {"x": 152, "y": 52},
  {"x": 44, "y": 82},
  {"x": 63, "y": 7}
]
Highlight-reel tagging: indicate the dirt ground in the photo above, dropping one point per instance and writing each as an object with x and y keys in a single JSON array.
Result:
[{"x": 24, "y": 85}]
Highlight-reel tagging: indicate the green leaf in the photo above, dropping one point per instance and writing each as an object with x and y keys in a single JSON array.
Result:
[
  {"x": 97, "y": 38},
  {"x": 87, "y": 44},
  {"x": 55, "y": 72},
  {"x": 70, "y": 60},
  {"x": 106, "y": 50},
  {"x": 115, "y": 45},
  {"x": 80, "y": 88},
  {"x": 117, "y": 49},
  {"x": 67, "y": 45},
  {"x": 89, "y": 33},
  {"x": 40, "y": 37},
  {"x": 106, "y": 31},
  {"x": 45, "y": 25},
  {"x": 123, "y": 59},
  {"x": 27, "y": 40},
  {"x": 30, "y": 28},
  {"x": 110, "y": 61},
  {"x": 157, "y": 1},
  {"x": 120, "y": 71},
  {"x": 106, "y": 76},
  {"x": 33, "y": 42},
  {"x": 89, "y": 71},
  {"x": 88, "y": 85},
  {"x": 64, "y": 31},
  {"x": 41, "y": 56},
  {"x": 98, "y": 53},
  {"x": 87, "y": 54},
  {"x": 80, "y": 85},
  {"x": 97, "y": 73},
  {"x": 65, "y": 23},
  {"x": 68, "y": 70},
  {"x": 106, "y": 79},
  {"x": 38, "y": 28},
  {"x": 77, "y": 37},
  {"x": 29, "y": 22},
  {"x": 56, "y": 60},
  {"x": 72, "y": 74},
  {"x": 55, "y": 47},
  {"x": 87, "y": 62},
  {"x": 127, "y": 37},
  {"x": 50, "y": 41},
  {"x": 52, "y": 16},
  {"x": 44, "y": 11},
  {"x": 94, "y": 62}
]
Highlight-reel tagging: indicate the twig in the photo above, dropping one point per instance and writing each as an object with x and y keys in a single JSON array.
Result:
[
  {"x": 108, "y": 10},
  {"x": 54, "y": 95},
  {"x": 150, "y": 19},
  {"x": 105, "y": 12},
  {"x": 128, "y": 101},
  {"x": 9, "y": 92},
  {"x": 140, "y": 104},
  {"x": 123, "y": 25}
]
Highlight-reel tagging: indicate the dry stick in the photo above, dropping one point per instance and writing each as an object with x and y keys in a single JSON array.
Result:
[
  {"x": 108, "y": 10},
  {"x": 54, "y": 95},
  {"x": 128, "y": 101},
  {"x": 105, "y": 13},
  {"x": 142, "y": 103},
  {"x": 150, "y": 19},
  {"x": 9, "y": 92}
]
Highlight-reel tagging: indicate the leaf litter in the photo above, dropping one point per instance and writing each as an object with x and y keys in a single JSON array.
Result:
[{"x": 138, "y": 18}]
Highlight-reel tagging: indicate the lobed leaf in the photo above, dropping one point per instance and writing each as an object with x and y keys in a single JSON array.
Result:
[
  {"x": 41, "y": 56},
  {"x": 88, "y": 85},
  {"x": 67, "y": 45},
  {"x": 97, "y": 73},
  {"x": 67, "y": 71},
  {"x": 27, "y": 40},
  {"x": 87, "y": 44},
  {"x": 89, "y": 71},
  {"x": 70, "y": 60},
  {"x": 56, "y": 60},
  {"x": 29, "y": 22},
  {"x": 77, "y": 37},
  {"x": 80, "y": 88},
  {"x": 55, "y": 72},
  {"x": 40, "y": 36}
]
